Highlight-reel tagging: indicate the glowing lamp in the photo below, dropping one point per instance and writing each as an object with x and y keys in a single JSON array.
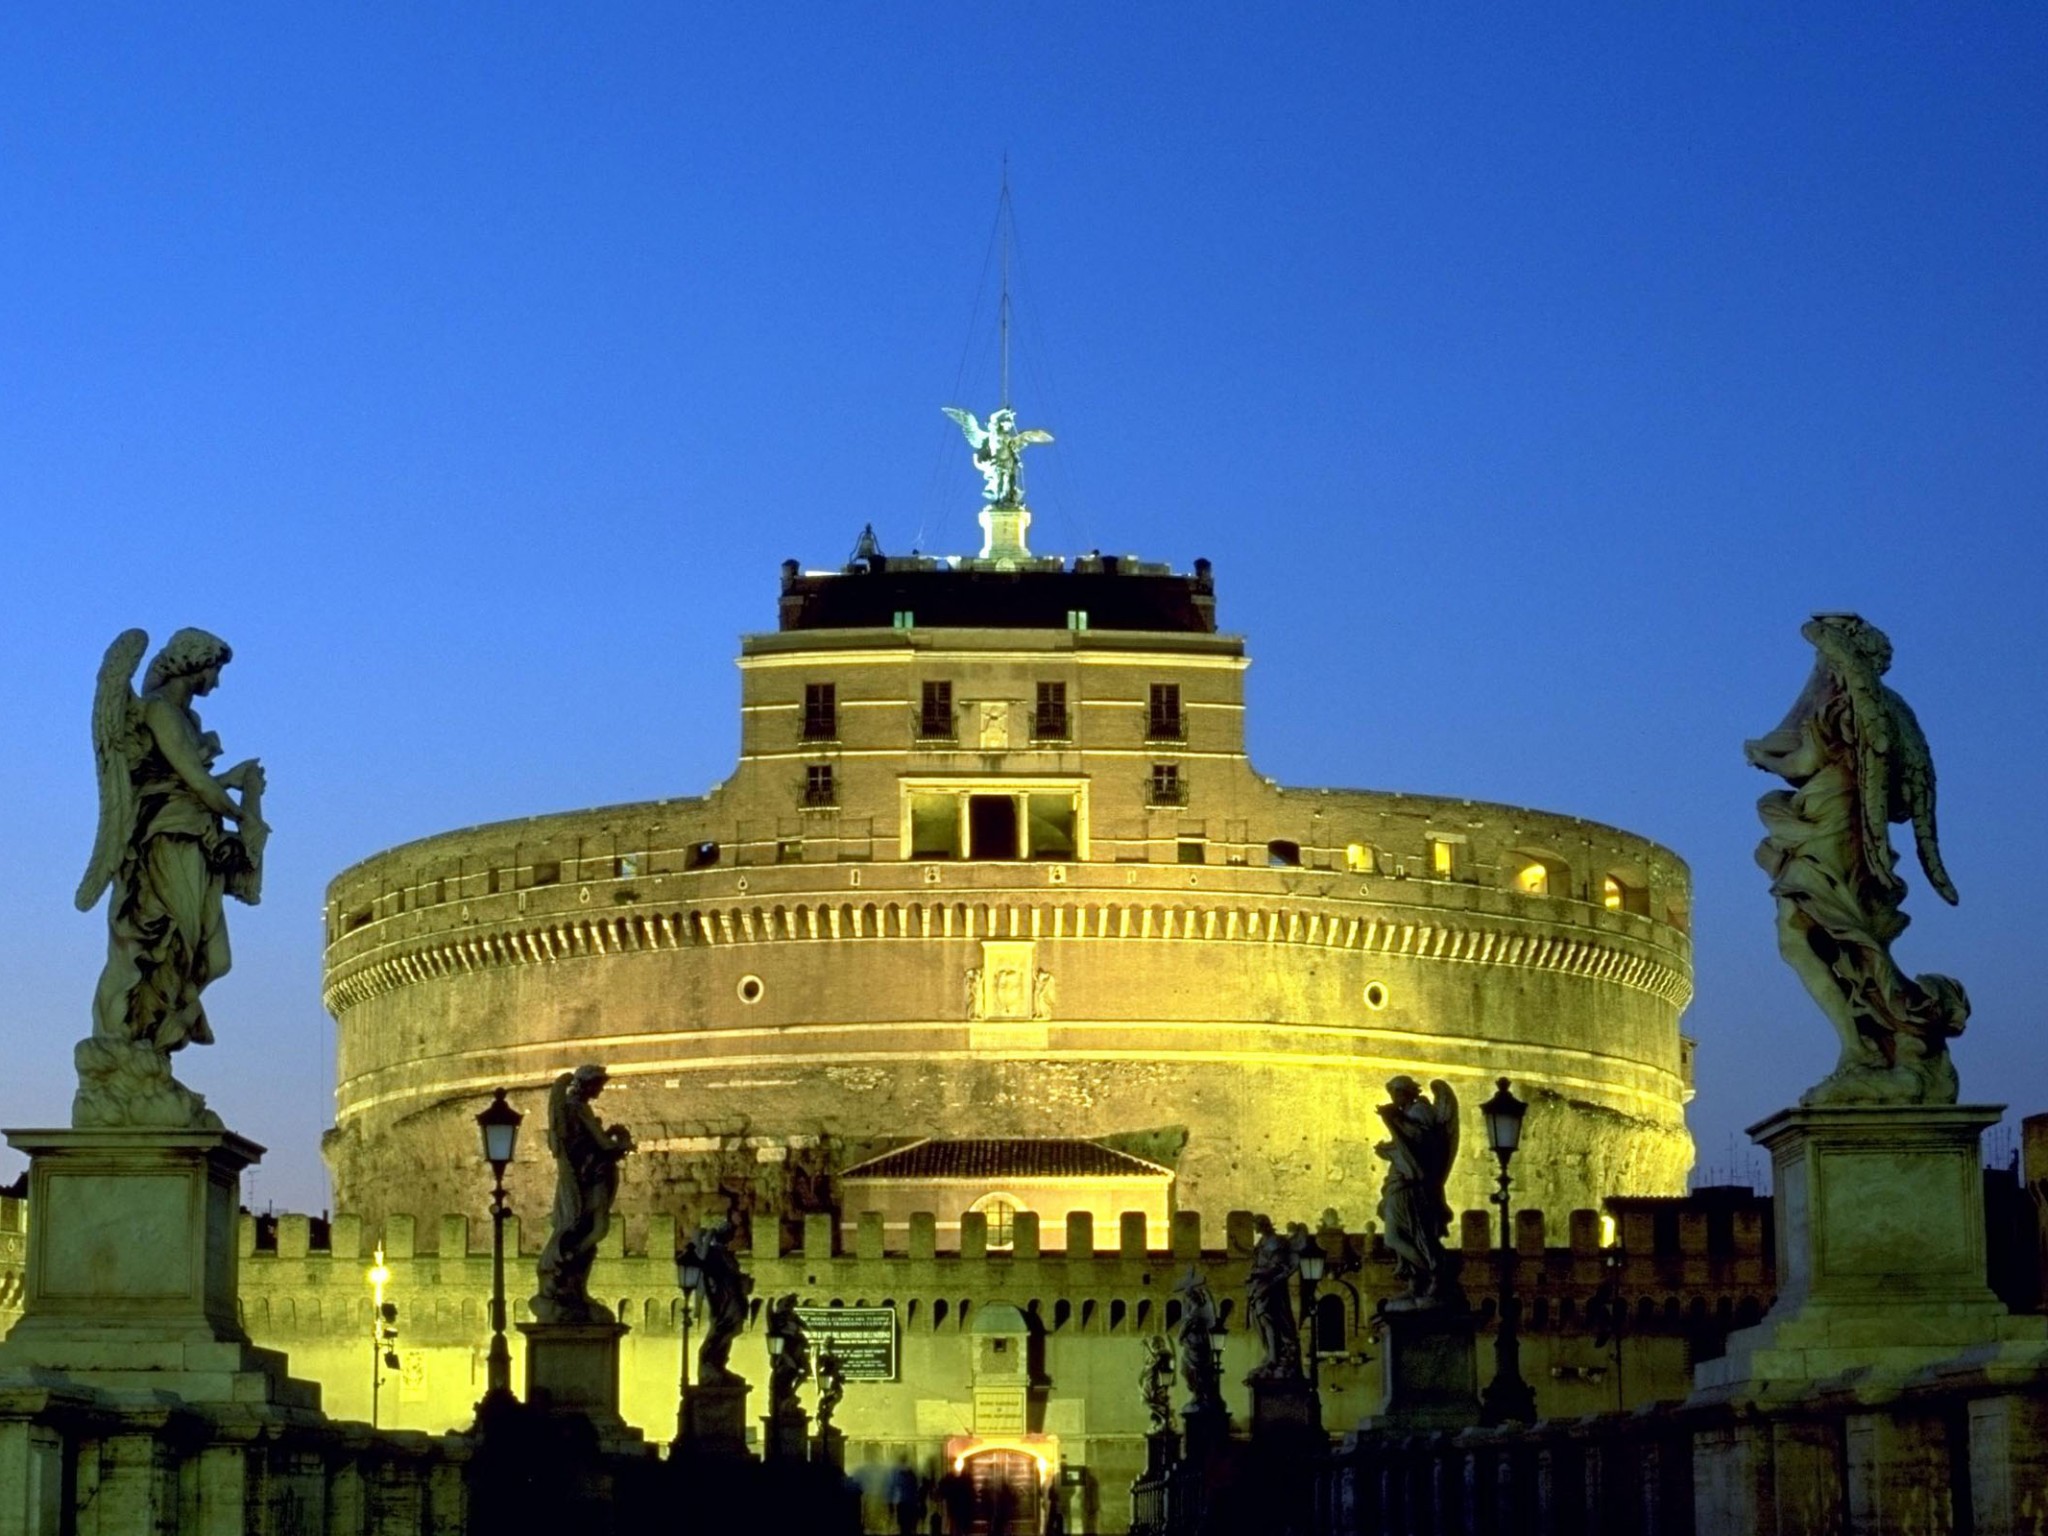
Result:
[
  {"x": 1503, "y": 1114},
  {"x": 499, "y": 1126},
  {"x": 1313, "y": 1262}
]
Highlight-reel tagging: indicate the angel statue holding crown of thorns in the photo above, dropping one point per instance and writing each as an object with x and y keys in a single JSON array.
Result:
[{"x": 172, "y": 842}]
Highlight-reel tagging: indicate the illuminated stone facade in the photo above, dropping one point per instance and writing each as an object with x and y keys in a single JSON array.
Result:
[{"x": 994, "y": 863}]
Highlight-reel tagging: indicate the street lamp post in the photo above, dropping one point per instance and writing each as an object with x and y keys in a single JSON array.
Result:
[
  {"x": 379, "y": 1276},
  {"x": 1507, "y": 1398},
  {"x": 499, "y": 1127},
  {"x": 689, "y": 1276},
  {"x": 1313, "y": 1263}
]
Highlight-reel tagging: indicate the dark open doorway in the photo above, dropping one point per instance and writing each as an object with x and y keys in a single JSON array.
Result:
[{"x": 992, "y": 826}]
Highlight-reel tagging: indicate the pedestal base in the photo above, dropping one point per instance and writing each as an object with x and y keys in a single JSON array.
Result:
[
  {"x": 572, "y": 1370},
  {"x": 132, "y": 1268},
  {"x": 828, "y": 1449},
  {"x": 1283, "y": 1405},
  {"x": 715, "y": 1418},
  {"x": 1880, "y": 1249},
  {"x": 1205, "y": 1431},
  {"x": 786, "y": 1436},
  {"x": 1429, "y": 1371}
]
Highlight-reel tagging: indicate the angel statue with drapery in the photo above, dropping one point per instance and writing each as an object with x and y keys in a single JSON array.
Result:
[
  {"x": 1421, "y": 1149},
  {"x": 998, "y": 452},
  {"x": 172, "y": 842},
  {"x": 1857, "y": 762}
]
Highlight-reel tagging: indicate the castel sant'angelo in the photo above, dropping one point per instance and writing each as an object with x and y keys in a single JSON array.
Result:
[{"x": 996, "y": 914}]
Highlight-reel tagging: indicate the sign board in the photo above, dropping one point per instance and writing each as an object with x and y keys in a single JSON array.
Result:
[{"x": 864, "y": 1339}]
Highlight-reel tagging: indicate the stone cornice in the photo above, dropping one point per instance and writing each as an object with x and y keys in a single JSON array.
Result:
[{"x": 1470, "y": 938}]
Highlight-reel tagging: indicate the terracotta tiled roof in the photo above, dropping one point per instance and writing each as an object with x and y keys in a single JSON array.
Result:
[{"x": 1005, "y": 1158}]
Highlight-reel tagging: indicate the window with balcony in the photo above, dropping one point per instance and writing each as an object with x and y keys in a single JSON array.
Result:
[
  {"x": 994, "y": 821},
  {"x": 821, "y": 711},
  {"x": 818, "y": 786},
  {"x": 935, "y": 712},
  {"x": 1049, "y": 723},
  {"x": 1167, "y": 787},
  {"x": 1164, "y": 721}
]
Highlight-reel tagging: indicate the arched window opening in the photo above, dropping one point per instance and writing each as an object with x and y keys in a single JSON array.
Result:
[
  {"x": 1618, "y": 894},
  {"x": 1329, "y": 1329},
  {"x": 1358, "y": 858},
  {"x": 1001, "y": 1211}
]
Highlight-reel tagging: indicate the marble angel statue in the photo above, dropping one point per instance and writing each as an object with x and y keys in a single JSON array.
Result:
[
  {"x": 1421, "y": 1149},
  {"x": 172, "y": 842},
  {"x": 998, "y": 452},
  {"x": 1857, "y": 763}
]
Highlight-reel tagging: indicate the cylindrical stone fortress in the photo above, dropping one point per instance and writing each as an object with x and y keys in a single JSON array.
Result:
[{"x": 994, "y": 864}]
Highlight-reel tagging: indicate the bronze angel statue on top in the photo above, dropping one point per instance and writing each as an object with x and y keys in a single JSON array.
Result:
[
  {"x": 172, "y": 842},
  {"x": 998, "y": 452},
  {"x": 1857, "y": 762}
]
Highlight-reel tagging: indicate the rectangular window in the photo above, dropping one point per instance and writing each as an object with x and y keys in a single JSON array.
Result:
[
  {"x": 821, "y": 711},
  {"x": 547, "y": 871},
  {"x": 1163, "y": 720},
  {"x": 1449, "y": 859},
  {"x": 935, "y": 712},
  {"x": 903, "y": 618},
  {"x": 1193, "y": 851},
  {"x": 491, "y": 882},
  {"x": 626, "y": 866},
  {"x": 789, "y": 851},
  {"x": 1166, "y": 786},
  {"x": 1077, "y": 618},
  {"x": 818, "y": 787},
  {"x": 935, "y": 826},
  {"x": 1051, "y": 830},
  {"x": 1049, "y": 723}
]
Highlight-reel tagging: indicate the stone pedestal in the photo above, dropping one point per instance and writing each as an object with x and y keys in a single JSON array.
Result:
[
  {"x": 786, "y": 1436},
  {"x": 715, "y": 1418},
  {"x": 1283, "y": 1405},
  {"x": 132, "y": 1268},
  {"x": 828, "y": 1448},
  {"x": 1206, "y": 1431},
  {"x": 1429, "y": 1370},
  {"x": 572, "y": 1371},
  {"x": 1162, "y": 1450},
  {"x": 1880, "y": 1248}
]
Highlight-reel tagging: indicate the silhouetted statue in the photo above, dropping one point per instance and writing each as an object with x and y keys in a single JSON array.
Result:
[
  {"x": 587, "y": 1157},
  {"x": 789, "y": 1366},
  {"x": 1421, "y": 1147},
  {"x": 1270, "y": 1292},
  {"x": 1200, "y": 1322},
  {"x": 726, "y": 1288},
  {"x": 1155, "y": 1383},
  {"x": 1857, "y": 762},
  {"x": 164, "y": 847}
]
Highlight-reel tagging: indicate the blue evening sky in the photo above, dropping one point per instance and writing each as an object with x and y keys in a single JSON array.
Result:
[{"x": 1529, "y": 373}]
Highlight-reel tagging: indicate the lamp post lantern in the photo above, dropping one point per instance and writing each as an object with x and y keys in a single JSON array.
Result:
[
  {"x": 1314, "y": 1262},
  {"x": 1507, "y": 1398},
  {"x": 689, "y": 1278},
  {"x": 498, "y": 1125}
]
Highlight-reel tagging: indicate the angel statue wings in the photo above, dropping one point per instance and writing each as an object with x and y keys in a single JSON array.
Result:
[
  {"x": 998, "y": 452},
  {"x": 1857, "y": 762},
  {"x": 172, "y": 842},
  {"x": 1421, "y": 1149}
]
